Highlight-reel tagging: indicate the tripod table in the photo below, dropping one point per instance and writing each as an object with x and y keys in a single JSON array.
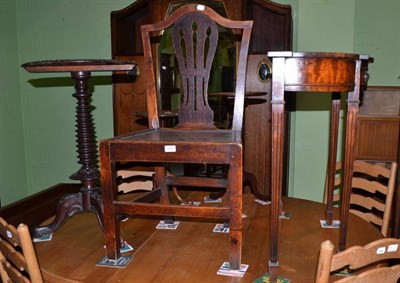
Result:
[{"x": 89, "y": 198}]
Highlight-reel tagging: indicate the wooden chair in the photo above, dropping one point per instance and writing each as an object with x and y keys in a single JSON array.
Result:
[
  {"x": 17, "y": 255},
  {"x": 356, "y": 257},
  {"x": 194, "y": 140},
  {"x": 371, "y": 193}
]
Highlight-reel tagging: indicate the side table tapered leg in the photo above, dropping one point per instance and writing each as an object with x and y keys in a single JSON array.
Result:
[
  {"x": 353, "y": 101},
  {"x": 277, "y": 145},
  {"x": 89, "y": 197},
  {"x": 334, "y": 133}
]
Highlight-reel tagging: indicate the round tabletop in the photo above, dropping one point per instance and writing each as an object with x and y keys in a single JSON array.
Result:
[
  {"x": 78, "y": 65},
  {"x": 193, "y": 252}
]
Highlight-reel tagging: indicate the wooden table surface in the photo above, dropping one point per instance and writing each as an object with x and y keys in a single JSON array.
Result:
[{"x": 193, "y": 253}]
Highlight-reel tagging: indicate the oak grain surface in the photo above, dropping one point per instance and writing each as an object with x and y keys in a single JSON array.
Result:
[{"x": 193, "y": 253}]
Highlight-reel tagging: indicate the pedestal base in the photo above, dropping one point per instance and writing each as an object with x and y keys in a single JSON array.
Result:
[{"x": 85, "y": 200}]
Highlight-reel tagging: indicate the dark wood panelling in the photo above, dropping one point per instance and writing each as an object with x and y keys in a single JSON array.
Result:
[
  {"x": 34, "y": 209},
  {"x": 130, "y": 100},
  {"x": 378, "y": 138},
  {"x": 272, "y": 29},
  {"x": 379, "y": 124}
]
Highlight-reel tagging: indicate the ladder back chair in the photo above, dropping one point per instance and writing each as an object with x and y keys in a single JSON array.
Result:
[
  {"x": 337, "y": 184},
  {"x": 369, "y": 181},
  {"x": 194, "y": 140},
  {"x": 357, "y": 257},
  {"x": 18, "y": 261},
  {"x": 372, "y": 192}
]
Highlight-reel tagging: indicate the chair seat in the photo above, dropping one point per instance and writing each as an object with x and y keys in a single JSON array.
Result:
[
  {"x": 178, "y": 135},
  {"x": 173, "y": 145}
]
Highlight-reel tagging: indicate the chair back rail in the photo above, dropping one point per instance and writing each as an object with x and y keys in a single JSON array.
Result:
[
  {"x": 195, "y": 39},
  {"x": 357, "y": 257}
]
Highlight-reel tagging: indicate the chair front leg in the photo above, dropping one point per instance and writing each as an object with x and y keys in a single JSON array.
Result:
[
  {"x": 109, "y": 193},
  {"x": 235, "y": 224}
]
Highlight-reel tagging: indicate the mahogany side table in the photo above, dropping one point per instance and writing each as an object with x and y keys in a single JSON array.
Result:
[
  {"x": 315, "y": 72},
  {"x": 89, "y": 198}
]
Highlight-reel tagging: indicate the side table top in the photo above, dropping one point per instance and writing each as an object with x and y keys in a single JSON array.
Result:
[
  {"x": 78, "y": 65},
  {"x": 319, "y": 71},
  {"x": 336, "y": 55}
]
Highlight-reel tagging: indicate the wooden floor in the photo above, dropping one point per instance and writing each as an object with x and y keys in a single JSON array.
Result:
[{"x": 193, "y": 253}]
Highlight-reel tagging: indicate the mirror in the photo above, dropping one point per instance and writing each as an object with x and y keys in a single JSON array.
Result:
[{"x": 222, "y": 77}]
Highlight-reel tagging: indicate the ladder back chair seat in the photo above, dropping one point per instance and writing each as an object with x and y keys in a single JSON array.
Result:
[
  {"x": 18, "y": 261},
  {"x": 357, "y": 257},
  {"x": 194, "y": 140}
]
